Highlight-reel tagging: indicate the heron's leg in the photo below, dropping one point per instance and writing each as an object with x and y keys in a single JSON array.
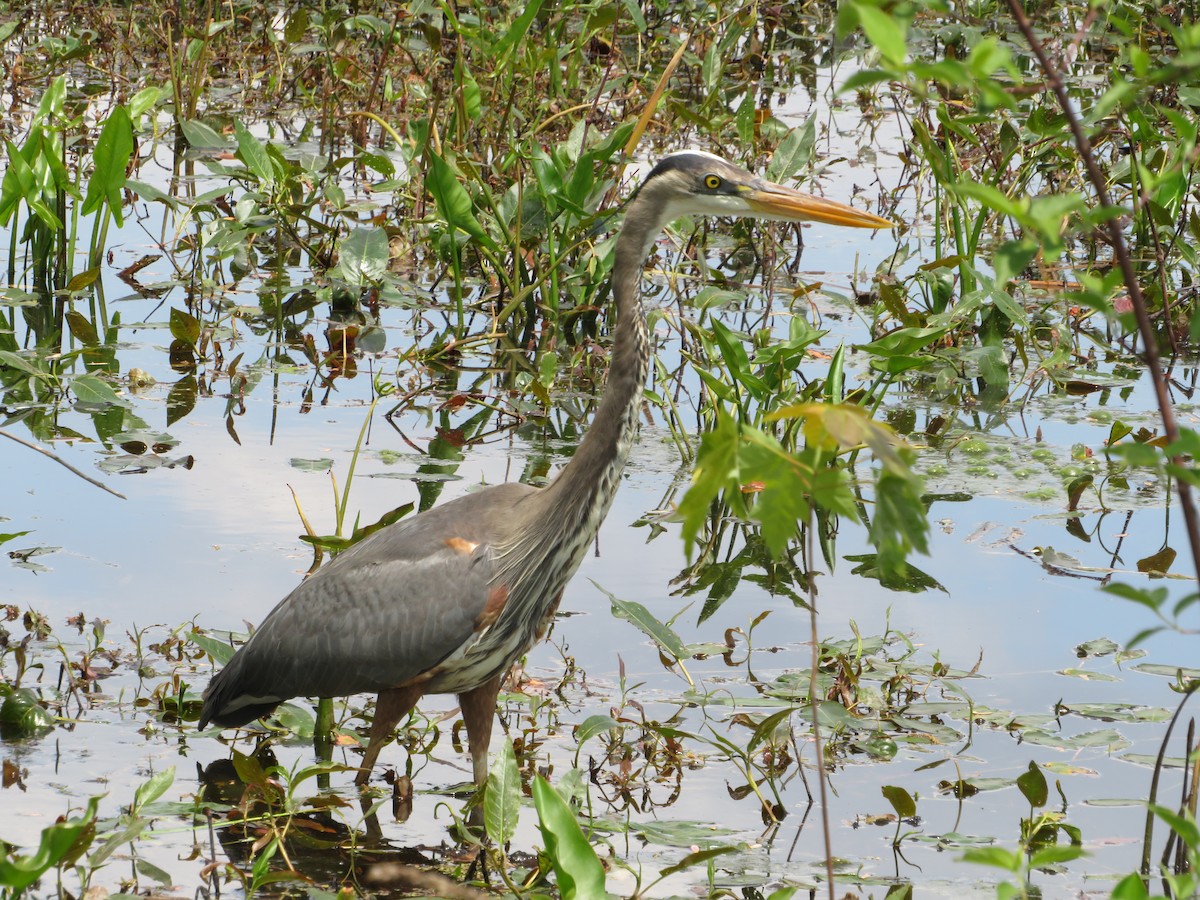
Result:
[
  {"x": 479, "y": 712},
  {"x": 390, "y": 708}
]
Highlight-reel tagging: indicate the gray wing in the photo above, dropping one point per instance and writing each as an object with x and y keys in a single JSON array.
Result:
[{"x": 380, "y": 614}]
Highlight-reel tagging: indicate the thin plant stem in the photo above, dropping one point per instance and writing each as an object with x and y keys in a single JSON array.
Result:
[
  {"x": 1125, "y": 261},
  {"x": 815, "y": 703}
]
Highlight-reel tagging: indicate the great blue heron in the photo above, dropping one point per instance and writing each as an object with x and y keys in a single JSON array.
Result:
[{"x": 446, "y": 601}]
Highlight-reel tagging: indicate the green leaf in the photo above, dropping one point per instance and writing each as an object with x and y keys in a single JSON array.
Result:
[
  {"x": 579, "y": 871},
  {"x": 904, "y": 341},
  {"x": 56, "y": 845},
  {"x": 93, "y": 391},
  {"x": 220, "y": 651},
  {"x": 794, "y": 151},
  {"x": 662, "y": 635},
  {"x": 1048, "y": 856},
  {"x": 902, "y": 801},
  {"x": 114, "y": 148},
  {"x": 516, "y": 31},
  {"x": 502, "y": 800},
  {"x": 1032, "y": 784},
  {"x": 997, "y": 857},
  {"x": 694, "y": 858},
  {"x": 594, "y": 725},
  {"x": 1131, "y": 887},
  {"x": 453, "y": 202},
  {"x": 21, "y": 715},
  {"x": 363, "y": 256},
  {"x": 151, "y": 790},
  {"x": 885, "y": 31},
  {"x": 253, "y": 155},
  {"x": 82, "y": 329},
  {"x": 201, "y": 137},
  {"x": 185, "y": 327}
]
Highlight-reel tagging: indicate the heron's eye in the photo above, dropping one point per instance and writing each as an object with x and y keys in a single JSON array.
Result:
[{"x": 712, "y": 182}]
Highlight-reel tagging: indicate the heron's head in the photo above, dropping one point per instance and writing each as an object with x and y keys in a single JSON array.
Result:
[{"x": 696, "y": 183}]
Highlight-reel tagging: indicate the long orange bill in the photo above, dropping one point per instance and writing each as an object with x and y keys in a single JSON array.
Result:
[{"x": 776, "y": 201}]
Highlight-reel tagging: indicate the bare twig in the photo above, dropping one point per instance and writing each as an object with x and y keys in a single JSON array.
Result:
[
  {"x": 1121, "y": 252},
  {"x": 60, "y": 461}
]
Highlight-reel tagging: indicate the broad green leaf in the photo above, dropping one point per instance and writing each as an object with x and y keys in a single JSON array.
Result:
[
  {"x": 219, "y": 650},
  {"x": 93, "y": 391},
  {"x": 502, "y": 800},
  {"x": 579, "y": 871},
  {"x": 21, "y": 715},
  {"x": 58, "y": 841},
  {"x": 594, "y": 725},
  {"x": 794, "y": 151},
  {"x": 716, "y": 466},
  {"x": 363, "y": 256},
  {"x": 110, "y": 159},
  {"x": 885, "y": 30},
  {"x": 253, "y": 155},
  {"x": 453, "y": 202},
  {"x": 1032, "y": 784},
  {"x": 184, "y": 327},
  {"x": 151, "y": 790},
  {"x": 905, "y": 341},
  {"x": 82, "y": 329},
  {"x": 200, "y": 136},
  {"x": 901, "y": 800}
]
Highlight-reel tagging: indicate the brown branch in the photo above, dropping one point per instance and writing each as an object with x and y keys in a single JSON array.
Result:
[
  {"x": 1121, "y": 252},
  {"x": 60, "y": 461}
]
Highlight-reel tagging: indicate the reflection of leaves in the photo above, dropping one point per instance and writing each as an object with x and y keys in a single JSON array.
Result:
[
  {"x": 911, "y": 579},
  {"x": 1107, "y": 739},
  {"x": 1117, "y": 712},
  {"x": 181, "y": 398}
]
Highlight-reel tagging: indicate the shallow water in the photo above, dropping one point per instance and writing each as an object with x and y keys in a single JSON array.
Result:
[{"x": 215, "y": 543}]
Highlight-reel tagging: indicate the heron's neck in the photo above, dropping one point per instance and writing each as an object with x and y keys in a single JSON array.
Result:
[{"x": 583, "y": 491}]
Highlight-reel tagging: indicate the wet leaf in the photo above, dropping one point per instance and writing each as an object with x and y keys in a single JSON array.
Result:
[
  {"x": 1108, "y": 740},
  {"x": 1096, "y": 647},
  {"x": 1088, "y": 675},
  {"x": 1118, "y": 712},
  {"x": 22, "y": 716},
  {"x": 679, "y": 833}
]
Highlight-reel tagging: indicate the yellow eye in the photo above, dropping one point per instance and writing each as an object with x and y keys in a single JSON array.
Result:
[{"x": 712, "y": 182}]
